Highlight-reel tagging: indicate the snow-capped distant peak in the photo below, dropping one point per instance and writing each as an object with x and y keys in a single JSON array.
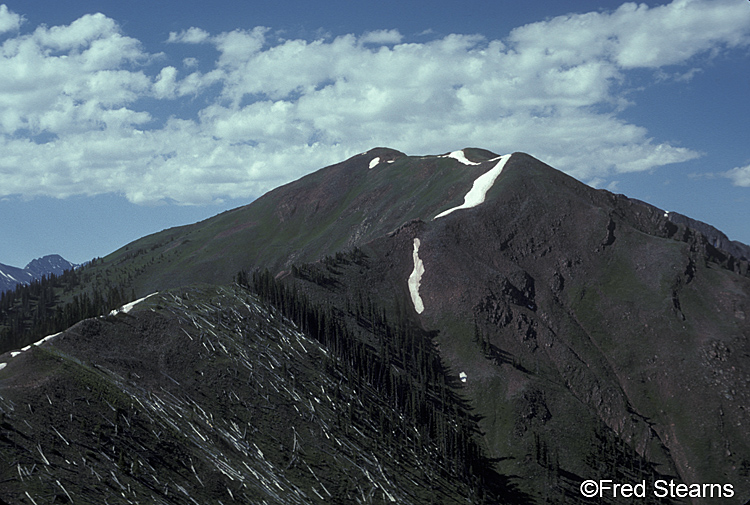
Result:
[
  {"x": 374, "y": 162},
  {"x": 479, "y": 189},
  {"x": 460, "y": 156}
]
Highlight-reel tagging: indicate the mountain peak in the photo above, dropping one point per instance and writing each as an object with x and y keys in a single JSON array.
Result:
[
  {"x": 589, "y": 335},
  {"x": 379, "y": 155},
  {"x": 51, "y": 264},
  {"x": 471, "y": 155}
]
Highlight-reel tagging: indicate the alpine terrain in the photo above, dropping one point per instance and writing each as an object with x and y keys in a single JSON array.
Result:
[
  {"x": 460, "y": 328},
  {"x": 10, "y": 276}
]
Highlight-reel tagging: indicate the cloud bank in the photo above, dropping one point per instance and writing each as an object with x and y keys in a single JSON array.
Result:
[{"x": 82, "y": 106}]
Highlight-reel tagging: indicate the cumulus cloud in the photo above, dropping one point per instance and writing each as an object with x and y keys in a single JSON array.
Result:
[
  {"x": 9, "y": 21},
  {"x": 68, "y": 79},
  {"x": 639, "y": 36},
  {"x": 271, "y": 110},
  {"x": 192, "y": 35},
  {"x": 381, "y": 37},
  {"x": 740, "y": 176}
]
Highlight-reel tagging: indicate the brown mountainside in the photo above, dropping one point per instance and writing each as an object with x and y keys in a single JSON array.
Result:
[{"x": 577, "y": 334}]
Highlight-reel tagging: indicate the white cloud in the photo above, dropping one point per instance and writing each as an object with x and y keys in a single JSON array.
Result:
[
  {"x": 66, "y": 79},
  {"x": 636, "y": 35},
  {"x": 192, "y": 35},
  {"x": 271, "y": 110},
  {"x": 239, "y": 46},
  {"x": 166, "y": 83},
  {"x": 9, "y": 21},
  {"x": 740, "y": 176},
  {"x": 381, "y": 37}
]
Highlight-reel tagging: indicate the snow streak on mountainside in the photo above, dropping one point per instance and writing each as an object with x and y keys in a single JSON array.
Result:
[
  {"x": 478, "y": 191},
  {"x": 460, "y": 156},
  {"x": 129, "y": 306},
  {"x": 415, "y": 278},
  {"x": 122, "y": 310}
]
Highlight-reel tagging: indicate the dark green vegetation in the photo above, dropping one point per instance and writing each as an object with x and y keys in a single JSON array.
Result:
[
  {"x": 214, "y": 396},
  {"x": 53, "y": 303},
  {"x": 284, "y": 361}
]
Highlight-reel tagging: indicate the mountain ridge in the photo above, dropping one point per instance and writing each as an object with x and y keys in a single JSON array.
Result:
[
  {"x": 11, "y": 276},
  {"x": 278, "y": 220},
  {"x": 583, "y": 334}
]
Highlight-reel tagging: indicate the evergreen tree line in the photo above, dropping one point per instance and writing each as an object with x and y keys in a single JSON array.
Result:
[
  {"x": 32, "y": 311},
  {"x": 397, "y": 359}
]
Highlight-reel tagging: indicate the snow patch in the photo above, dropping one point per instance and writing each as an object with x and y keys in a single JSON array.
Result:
[
  {"x": 415, "y": 279},
  {"x": 479, "y": 189},
  {"x": 462, "y": 376},
  {"x": 13, "y": 354},
  {"x": 460, "y": 156},
  {"x": 129, "y": 306},
  {"x": 374, "y": 162},
  {"x": 3, "y": 365},
  {"x": 47, "y": 338}
]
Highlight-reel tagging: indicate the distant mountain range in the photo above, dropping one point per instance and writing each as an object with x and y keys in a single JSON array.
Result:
[
  {"x": 456, "y": 328},
  {"x": 10, "y": 276}
]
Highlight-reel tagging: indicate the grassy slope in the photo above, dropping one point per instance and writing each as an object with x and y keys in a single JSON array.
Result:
[{"x": 333, "y": 209}]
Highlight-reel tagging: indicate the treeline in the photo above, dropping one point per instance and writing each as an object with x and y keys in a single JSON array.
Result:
[
  {"x": 398, "y": 360},
  {"x": 48, "y": 305}
]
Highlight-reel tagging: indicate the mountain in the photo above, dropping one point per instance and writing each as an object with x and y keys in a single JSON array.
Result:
[
  {"x": 466, "y": 327},
  {"x": 10, "y": 276}
]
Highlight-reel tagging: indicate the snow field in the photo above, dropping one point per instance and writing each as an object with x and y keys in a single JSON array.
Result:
[
  {"x": 129, "y": 306},
  {"x": 479, "y": 189},
  {"x": 416, "y": 278},
  {"x": 460, "y": 156}
]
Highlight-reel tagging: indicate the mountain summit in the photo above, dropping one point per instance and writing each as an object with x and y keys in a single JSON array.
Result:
[
  {"x": 10, "y": 276},
  {"x": 464, "y": 327}
]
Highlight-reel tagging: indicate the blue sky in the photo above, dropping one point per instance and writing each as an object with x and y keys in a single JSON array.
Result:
[{"x": 120, "y": 119}]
